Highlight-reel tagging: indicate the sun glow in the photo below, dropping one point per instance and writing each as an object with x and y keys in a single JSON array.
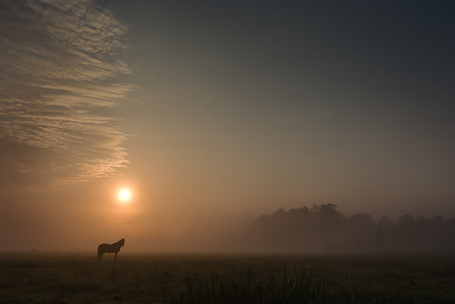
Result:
[{"x": 124, "y": 195}]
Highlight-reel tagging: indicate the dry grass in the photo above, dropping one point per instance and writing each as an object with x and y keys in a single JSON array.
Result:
[{"x": 79, "y": 278}]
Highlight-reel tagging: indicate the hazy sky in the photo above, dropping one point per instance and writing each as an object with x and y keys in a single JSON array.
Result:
[{"x": 214, "y": 112}]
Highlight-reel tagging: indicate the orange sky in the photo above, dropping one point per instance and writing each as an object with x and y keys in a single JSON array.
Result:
[{"x": 213, "y": 114}]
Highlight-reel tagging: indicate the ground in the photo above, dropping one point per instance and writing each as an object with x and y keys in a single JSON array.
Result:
[{"x": 36, "y": 277}]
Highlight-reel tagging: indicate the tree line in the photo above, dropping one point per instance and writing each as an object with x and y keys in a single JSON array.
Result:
[{"x": 323, "y": 229}]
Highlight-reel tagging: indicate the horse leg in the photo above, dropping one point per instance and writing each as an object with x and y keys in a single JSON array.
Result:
[
  {"x": 100, "y": 254},
  {"x": 115, "y": 257}
]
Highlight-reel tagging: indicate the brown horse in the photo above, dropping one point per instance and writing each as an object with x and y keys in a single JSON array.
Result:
[{"x": 110, "y": 248}]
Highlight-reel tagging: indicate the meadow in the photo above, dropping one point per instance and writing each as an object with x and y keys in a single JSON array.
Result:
[{"x": 58, "y": 278}]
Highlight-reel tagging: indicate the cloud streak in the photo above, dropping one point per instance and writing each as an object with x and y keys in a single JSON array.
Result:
[{"x": 61, "y": 71}]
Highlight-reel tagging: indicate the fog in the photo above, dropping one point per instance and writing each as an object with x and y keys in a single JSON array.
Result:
[
  {"x": 321, "y": 229},
  {"x": 228, "y": 121},
  {"x": 316, "y": 229}
]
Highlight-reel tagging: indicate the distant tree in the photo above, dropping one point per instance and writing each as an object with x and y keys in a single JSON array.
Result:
[
  {"x": 328, "y": 209},
  {"x": 406, "y": 220},
  {"x": 379, "y": 239},
  {"x": 300, "y": 212},
  {"x": 362, "y": 219},
  {"x": 360, "y": 232},
  {"x": 325, "y": 210},
  {"x": 314, "y": 208},
  {"x": 385, "y": 224},
  {"x": 279, "y": 212},
  {"x": 323, "y": 228}
]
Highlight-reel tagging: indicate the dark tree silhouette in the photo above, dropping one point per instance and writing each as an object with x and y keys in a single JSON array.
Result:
[{"x": 322, "y": 228}]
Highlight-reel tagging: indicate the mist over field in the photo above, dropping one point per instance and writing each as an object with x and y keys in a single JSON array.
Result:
[
  {"x": 316, "y": 229},
  {"x": 322, "y": 229},
  {"x": 214, "y": 127}
]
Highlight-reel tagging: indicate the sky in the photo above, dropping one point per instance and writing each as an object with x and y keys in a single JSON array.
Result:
[{"x": 215, "y": 112}]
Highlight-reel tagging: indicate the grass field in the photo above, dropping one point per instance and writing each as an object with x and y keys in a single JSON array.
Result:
[{"x": 79, "y": 278}]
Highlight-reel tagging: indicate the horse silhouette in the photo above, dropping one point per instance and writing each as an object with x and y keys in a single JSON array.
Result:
[{"x": 110, "y": 248}]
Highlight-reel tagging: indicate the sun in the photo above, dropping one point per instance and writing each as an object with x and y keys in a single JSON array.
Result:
[{"x": 124, "y": 195}]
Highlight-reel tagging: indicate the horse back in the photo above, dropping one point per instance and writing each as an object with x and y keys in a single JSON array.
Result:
[{"x": 108, "y": 248}]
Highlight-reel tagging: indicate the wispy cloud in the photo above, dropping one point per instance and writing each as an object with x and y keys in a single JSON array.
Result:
[{"x": 61, "y": 66}]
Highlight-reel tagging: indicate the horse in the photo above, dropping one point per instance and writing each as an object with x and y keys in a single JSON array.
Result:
[{"x": 110, "y": 248}]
